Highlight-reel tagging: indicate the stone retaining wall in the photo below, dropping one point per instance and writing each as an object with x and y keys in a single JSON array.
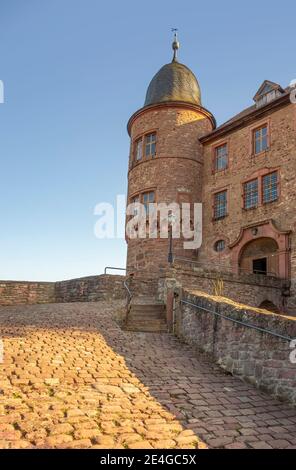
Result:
[
  {"x": 18, "y": 292},
  {"x": 255, "y": 356},
  {"x": 91, "y": 289},
  {"x": 87, "y": 289},
  {"x": 249, "y": 289}
]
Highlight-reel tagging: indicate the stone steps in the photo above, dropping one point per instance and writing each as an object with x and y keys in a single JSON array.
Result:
[
  {"x": 147, "y": 328},
  {"x": 140, "y": 317},
  {"x": 146, "y": 317}
]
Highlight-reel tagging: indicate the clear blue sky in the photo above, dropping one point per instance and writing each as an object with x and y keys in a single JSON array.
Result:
[{"x": 74, "y": 71}]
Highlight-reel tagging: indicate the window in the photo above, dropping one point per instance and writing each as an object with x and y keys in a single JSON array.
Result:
[
  {"x": 145, "y": 199},
  {"x": 262, "y": 190},
  {"x": 220, "y": 205},
  {"x": 145, "y": 146},
  {"x": 251, "y": 194},
  {"x": 135, "y": 200},
  {"x": 221, "y": 157},
  {"x": 260, "y": 139},
  {"x": 219, "y": 246},
  {"x": 148, "y": 198},
  {"x": 150, "y": 145},
  {"x": 260, "y": 266},
  {"x": 270, "y": 187},
  {"x": 139, "y": 149}
]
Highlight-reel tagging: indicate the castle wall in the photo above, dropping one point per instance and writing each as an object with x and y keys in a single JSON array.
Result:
[
  {"x": 248, "y": 289},
  {"x": 257, "y": 357},
  {"x": 244, "y": 166},
  {"x": 91, "y": 289},
  {"x": 18, "y": 292},
  {"x": 174, "y": 174},
  {"x": 86, "y": 289}
]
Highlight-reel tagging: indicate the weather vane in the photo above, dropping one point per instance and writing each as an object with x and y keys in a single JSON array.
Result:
[{"x": 176, "y": 44}]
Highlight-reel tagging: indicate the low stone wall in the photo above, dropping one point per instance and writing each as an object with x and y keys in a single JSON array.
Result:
[
  {"x": 255, "y": 356},
  {"x": 18, "y": 292},
  {"x": 91, "y": 289},
  {"x": 86, "y": 289},
  {"x": 249, "y": 289}
]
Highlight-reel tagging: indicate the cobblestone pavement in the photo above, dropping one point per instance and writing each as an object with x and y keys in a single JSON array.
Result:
[{"x": 71, "y": 378}]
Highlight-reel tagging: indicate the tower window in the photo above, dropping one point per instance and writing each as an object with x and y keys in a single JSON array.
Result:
[
  {"x": 221, "y": 157},
  {"x": 150, "y": 145},
  {"x": 260, "y": 137},
  {"x": 139, "y": 149},
  {"x": 251, "y": 194},
  {"x": 270, "y": 187},
  {"x": 219, "y": 246},
  {"x": 220, "y": 205},
  {"x": 148, "y": 198},
  {"x": 135, "y": 200}
]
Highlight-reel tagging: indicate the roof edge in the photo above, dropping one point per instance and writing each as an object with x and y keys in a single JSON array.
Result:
[
  {"x": 242, "y": 121},
  {"x": 171, "y": 104}
]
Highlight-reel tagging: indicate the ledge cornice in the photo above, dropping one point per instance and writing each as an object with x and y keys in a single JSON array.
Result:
[
  {"x": 172, "y": 104},
  {"x": 247, "y": 119}
]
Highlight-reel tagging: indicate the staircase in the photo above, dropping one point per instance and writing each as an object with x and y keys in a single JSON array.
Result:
[{"x": 147, "y": 315}]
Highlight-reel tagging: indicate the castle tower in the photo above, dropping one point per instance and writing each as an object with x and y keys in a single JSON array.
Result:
[{"x": 166, "y": 157}]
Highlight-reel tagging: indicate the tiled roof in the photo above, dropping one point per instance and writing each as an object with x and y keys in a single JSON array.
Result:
[{"x": 244, "y": 114}]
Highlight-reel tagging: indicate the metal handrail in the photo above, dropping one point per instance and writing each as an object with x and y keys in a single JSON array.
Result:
[
  {"x": 111, "y": 267},
  {"x": 188, "y": 260},
  {"x": 248, "y": 325},
  {"x": 223, "y": 265},
  {"x": 130, "y": 295}
]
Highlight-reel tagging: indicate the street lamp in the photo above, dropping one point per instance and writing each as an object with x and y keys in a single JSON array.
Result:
[{"x": 171, "y": 220}]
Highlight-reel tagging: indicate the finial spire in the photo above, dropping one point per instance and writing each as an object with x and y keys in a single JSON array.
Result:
[{"x": 176, "y": 44}]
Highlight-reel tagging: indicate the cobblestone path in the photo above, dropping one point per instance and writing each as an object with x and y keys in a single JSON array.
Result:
[{"x": 72, "y": 379}]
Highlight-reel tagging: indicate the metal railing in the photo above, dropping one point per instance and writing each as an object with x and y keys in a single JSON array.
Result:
[
  {"x": 223, "y": 267},
  {"x": 111, "y": 267},
  {"x": 130, "y": 295},
  {"x": 247, "y": 325}
]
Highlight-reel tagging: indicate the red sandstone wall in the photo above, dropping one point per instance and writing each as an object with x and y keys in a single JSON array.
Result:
[
  {"x": 17, "y": 292},
  {"x": 174, "y": 171},
  {"x": 256, "y": 357},
  {"x": 250, "y": 290},
  {"x": 87, "y": 289},
  {"x": 90, "y": 289},
  {"x": 243, "y": 166}
]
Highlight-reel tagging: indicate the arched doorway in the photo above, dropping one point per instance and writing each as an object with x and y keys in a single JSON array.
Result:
[
  {"x": 260, "y": 256},
  {"x": 280, "y": 242},
  {"x": 268, "y": 305}
]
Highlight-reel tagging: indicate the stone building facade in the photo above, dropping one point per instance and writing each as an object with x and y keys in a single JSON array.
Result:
[{"x": 243, "y": 172}]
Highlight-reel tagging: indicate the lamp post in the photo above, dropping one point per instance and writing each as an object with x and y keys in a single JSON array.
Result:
[{"x": 171, "y": 220}]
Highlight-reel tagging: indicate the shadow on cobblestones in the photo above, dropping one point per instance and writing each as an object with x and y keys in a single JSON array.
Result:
[{"x": 72, "y": 378}]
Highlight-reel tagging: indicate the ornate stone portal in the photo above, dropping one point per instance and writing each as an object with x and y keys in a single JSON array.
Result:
[{"x": 258, "y": 242}]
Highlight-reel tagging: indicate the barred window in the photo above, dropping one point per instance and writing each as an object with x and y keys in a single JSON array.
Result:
[
  {"x": 150, "y": 145},
  {"x": 220, "y": 205},
  {"x": 260, "y": 139},
  {"x": 270, "y": 187},
  {"x": 251, "y": 195},
  {"x": 148, "y": 198},
  {"x": 139, "y": 149},
  {"x": 221, "y": 157}
]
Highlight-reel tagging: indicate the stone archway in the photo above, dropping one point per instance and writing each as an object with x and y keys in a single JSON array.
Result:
[
  {"x": 260, "y": 256},
  {"x": 263, "y": 230},
  {"x": 268, "y": 305}
]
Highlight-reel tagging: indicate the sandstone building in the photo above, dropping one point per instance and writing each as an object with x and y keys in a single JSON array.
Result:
[{"x": 243, "y": 172}]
